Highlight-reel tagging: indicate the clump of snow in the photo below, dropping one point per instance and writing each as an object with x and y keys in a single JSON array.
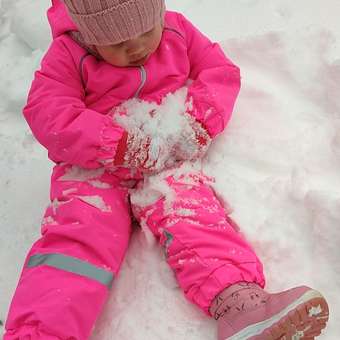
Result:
[
  {"x": 75, "y": 173},
  {"x": 49, "y": 220},
  {"x": 156, "y": 186},
  {"x": 96, "y": 201},
  {"x": 315, "y": 311},
  {"x": 165, "y": 120},
  {"x": 168, "y": 125},
  {"x": 99, "y": 184}
]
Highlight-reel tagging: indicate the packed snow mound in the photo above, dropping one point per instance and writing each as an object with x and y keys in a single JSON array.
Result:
[
  {"x": 24, "y": 36},
  {"x": 32, "y": 29},
  {"x": 20, "y": 62}
]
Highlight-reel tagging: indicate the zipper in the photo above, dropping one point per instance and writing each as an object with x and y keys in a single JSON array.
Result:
[
  {"x": 81, "y": 69},
  {"x": 143, "y": 77}
]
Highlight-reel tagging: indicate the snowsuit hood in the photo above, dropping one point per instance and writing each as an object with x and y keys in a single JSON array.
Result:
[{"x": 59, "y": 20}]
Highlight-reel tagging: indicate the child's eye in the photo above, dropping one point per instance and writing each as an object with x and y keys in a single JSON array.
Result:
[
  {"x": 149, "y": 32},
  {"x": 120, "y": 45}
]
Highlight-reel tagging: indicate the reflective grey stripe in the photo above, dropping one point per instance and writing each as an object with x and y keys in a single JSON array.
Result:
[
  {"x": 81, "y": 67},
  {"x": 73, "y": 265},
  {"x": 169, "y": 238},
  {"x": 143, "y": 81}
]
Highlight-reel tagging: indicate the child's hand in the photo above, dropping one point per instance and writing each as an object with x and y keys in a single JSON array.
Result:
[
  {"x": 142, "y": 152},
  {"x": 193, "y": 143},
  {"x": 150, "y": 155}
]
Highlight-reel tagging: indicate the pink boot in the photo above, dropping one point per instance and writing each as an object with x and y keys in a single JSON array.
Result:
[{"x": 246, "y": 312}]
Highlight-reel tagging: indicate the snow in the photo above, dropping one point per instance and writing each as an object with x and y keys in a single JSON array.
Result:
[
  {"x": 169, "y": 125},
  {"x": 75, "y": 173},
  {"x": 315, "y": 311},
  {"x": 95, "y": 201},
  {"x": 276, "y": 166}
]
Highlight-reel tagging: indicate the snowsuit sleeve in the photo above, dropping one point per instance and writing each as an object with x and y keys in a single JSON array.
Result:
[
  {"x": 216, "y": 80},
  {"x": 59, "y": 118}
]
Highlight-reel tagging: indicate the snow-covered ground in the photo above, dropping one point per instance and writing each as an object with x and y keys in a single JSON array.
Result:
[{"x": 277, "y": 164}]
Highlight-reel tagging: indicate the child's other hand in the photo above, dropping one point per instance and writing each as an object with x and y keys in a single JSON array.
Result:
[
  {"x": 142, "y": 152},
  {"x": 193, "y": 143}
]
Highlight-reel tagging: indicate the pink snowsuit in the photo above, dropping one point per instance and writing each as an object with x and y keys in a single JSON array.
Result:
[{"x": 68, "y": 272}]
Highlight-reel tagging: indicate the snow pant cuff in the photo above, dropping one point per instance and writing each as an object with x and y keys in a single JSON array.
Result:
[{"x": 222, "y": 278}]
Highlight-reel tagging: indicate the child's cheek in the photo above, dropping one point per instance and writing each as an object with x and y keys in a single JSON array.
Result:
[
  {"x": 156, "y": 41},
  {"x": 117, "y": 59}
]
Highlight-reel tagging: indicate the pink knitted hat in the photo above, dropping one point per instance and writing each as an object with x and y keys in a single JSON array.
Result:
[{"x": 108, "y": 22}]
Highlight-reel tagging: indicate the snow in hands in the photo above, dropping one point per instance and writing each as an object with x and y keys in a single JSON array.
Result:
[{"x": 161, "y": 136}]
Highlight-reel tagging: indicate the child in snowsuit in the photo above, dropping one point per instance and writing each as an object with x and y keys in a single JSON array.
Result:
[{"x": 104, "y": 53}]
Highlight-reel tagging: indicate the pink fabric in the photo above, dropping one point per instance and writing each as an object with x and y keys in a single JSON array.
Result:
[
  {"x": 204, "y": 249},
  {"x": 71, "y": 95},
  {"x": 89, "y": 219},
  {"x": 61, "y": 303}
]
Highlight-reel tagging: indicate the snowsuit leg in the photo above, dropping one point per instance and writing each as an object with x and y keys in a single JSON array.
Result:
[
  {"x": 203, "y": 247},
  {"x": 68, "y": 272}
]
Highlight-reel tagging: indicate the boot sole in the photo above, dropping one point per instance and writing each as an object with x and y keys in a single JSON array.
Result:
[{"x": 302, "y": 320}]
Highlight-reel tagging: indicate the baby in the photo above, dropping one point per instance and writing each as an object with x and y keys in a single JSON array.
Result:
[{"x": 104, "y": 53}]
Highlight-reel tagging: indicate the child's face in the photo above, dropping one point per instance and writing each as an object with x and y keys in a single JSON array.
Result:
[{"x": 134, "y": 52}]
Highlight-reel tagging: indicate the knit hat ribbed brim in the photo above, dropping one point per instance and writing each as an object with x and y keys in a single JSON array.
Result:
[{"x": 108, "y": 22}]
